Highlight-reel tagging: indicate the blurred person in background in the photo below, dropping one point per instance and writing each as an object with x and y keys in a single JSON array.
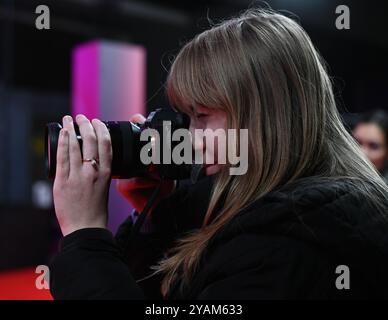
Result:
[{"x": 371, "y": 132}]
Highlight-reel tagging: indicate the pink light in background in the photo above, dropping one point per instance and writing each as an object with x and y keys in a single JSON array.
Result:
[
  {"x": 85, "y": 80},
  {"x": 108, "y": 82}
]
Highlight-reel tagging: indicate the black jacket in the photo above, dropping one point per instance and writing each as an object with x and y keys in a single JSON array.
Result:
[{"x": 286, "y": 245}]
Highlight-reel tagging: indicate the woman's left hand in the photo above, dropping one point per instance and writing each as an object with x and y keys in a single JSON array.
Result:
[{"x": 81, "y": 189}]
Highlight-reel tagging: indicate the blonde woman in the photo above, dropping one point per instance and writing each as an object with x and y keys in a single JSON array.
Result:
[{"x": 307, "y": 220}]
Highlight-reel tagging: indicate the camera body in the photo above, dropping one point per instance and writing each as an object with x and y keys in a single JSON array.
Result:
[{"x": 126, "y": 146}]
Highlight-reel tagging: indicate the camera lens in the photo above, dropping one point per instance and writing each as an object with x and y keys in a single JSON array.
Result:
[
  {"x": 125, "y": 138},
  {"x": 126, "y": 146},
  {"x": 51, "y": 145}
]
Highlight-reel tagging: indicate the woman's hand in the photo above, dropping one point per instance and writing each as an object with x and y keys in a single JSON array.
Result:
[
  {"x": 80, "y": 188},
  {"x": 137, "y": 191}
]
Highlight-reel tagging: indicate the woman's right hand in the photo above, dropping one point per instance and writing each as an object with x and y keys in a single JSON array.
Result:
[{"x": 138, "y": 190}]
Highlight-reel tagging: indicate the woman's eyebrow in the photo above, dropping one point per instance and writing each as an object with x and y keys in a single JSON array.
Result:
[{"x": 203, "y": 109}]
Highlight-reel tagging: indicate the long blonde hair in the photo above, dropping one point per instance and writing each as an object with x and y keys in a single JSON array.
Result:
[{"x": 262, "y": 69}]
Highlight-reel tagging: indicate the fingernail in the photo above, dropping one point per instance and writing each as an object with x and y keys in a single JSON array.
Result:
[{"x": 68, "y": 119}]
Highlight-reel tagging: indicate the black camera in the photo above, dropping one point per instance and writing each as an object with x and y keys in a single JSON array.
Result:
[{"x": 126, "y": 145}]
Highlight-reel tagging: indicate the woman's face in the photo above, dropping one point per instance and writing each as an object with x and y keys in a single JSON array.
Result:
[
  {"x": 208, "y": 118},
  {"x": 372, "y": 141}
]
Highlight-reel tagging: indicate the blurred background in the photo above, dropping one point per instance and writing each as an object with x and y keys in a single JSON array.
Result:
[{"x": 109, "y": 58}]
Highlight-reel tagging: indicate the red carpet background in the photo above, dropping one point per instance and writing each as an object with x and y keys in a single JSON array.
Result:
[{"x": 20, "y": 285}]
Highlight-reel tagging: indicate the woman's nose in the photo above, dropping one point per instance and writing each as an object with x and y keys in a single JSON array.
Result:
[{"x": 197, "y": 139}]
